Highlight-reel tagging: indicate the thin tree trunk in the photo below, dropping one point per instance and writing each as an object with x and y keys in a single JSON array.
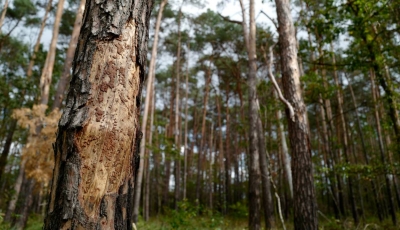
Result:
[
  {"x": 265, "y": 178},
  {"x": 389, "y": 195},
  {"x": 3, "y": 14},
  {"x": 17, "y": 188},
  {"x": 177, "y": 115},
  {"x": 37, "y": 44},
  {"x": 228, "y": 192},
  {"x": 186, "y": 126},
  {"x": 285, "y": 152},
  {"x": 97, "y": 145},
  {"x": 26, "y": 206},
  {"x": 62, "y": 84},
  {"x": 150, "y": 82},
  {"x": 147, "y": 195},
  {"x": 47, "y": 72},
  {"x": 208, "y": 76},
  {"x": 304, "y": 202},
  {"x": 345, "y": 145},
  {"x": 210, "y": 171},
  {"x": 7, "y": 146},
  {"x": 249, "y": 33}
]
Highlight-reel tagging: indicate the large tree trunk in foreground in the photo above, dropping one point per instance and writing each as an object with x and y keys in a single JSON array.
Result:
[
  {"x": 99, "y": 132},
  {"x": 304, "y": 202}
]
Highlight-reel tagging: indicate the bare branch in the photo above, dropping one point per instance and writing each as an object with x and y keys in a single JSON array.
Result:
[
  {"x": 276, "y": 86},
  {"x": 229, "y": 20},
  {"x": 272, "y": 20}
]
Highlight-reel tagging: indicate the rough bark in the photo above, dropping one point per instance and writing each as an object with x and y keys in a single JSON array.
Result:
[
  {"x": 150, "y": 82},
  {"x": 47, "y": 72},
  {"x": 65, "y": 76},
  {"x": 304, "y": 202},
  {"x": 98, "y": 139}
]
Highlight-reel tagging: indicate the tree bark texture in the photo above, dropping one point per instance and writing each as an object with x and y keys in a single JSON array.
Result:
[
  {"x": 304, "y": 202},
  {"x": 99, "y": 133},
  {"x": 62, "y": 84}
]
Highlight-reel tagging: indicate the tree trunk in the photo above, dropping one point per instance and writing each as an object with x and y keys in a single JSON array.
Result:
[
  {"x": 47, "y": 72},
  {"x": 265, "y": 178},
  {"x": 146, "y": 212},
  {"x": 185, "y": 163},
  {"x": 208, "y": 76},
  {"x": 97, "y": 145},
  {"x": 17, "y": 188},
  {"x": 62, "y": 84},
  {"x": 249, "y": 33},
  {"x": 150, "y": 82},
  {"x": 7, "y": 146},
  {"x": 381, "y": 148},
  {"x": 304, "y": 202},
  {"x": 37, "y": 44},
  {"x": 177, "y": 115},
  {"x": 3, "y": 14},
  {"x": 285, "y": 150}
]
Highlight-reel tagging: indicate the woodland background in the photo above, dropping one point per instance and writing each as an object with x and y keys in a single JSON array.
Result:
[{"x": 195, "y": 163}]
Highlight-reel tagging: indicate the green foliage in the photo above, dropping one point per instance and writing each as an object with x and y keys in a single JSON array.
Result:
[
  {"x": 21, "y": 8},
  {"x": 239, "y": 210},
  {"x": 182, "y": 217}
]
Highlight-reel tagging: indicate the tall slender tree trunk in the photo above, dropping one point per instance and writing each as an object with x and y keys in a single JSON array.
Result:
[
  {"x": 17, "y": 188},
  {"x": 268, "y": 203},
  {"x": 62, "y": 84},
  {"x": 285, "y": 152},
  {"x": 249, "y": 32},
  {"x": 97, "y": 145},
  {"x": 201, "y": 154},
  {"x": 3, "y": 14},
  {"x": 47, "y": 72},
  {"x": 7, "y": 146},
  {"x": 177, "y": 115},
  {"x": 228, "y": 192},
  {"x": 37, "y": 44},
  {"x": 304, "y": 202},
  {"x": 150, "y": 82},
  {"x": 147, "y": 183},
  {"x": 389, "y": 195},
  {"x": 186, "y": 126}
]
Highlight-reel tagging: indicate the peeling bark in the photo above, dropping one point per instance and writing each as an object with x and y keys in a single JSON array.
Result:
[{"x": 99, "y": 133}]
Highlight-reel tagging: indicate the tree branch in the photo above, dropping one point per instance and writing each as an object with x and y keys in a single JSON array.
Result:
[
  {"x": 272, "y": 20},
  {"x": 229, "y": 20},
  {"x": 276, "y": 86}
]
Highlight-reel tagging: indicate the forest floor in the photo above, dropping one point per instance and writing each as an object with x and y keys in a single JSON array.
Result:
[{"x": 217, "y": 222}]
